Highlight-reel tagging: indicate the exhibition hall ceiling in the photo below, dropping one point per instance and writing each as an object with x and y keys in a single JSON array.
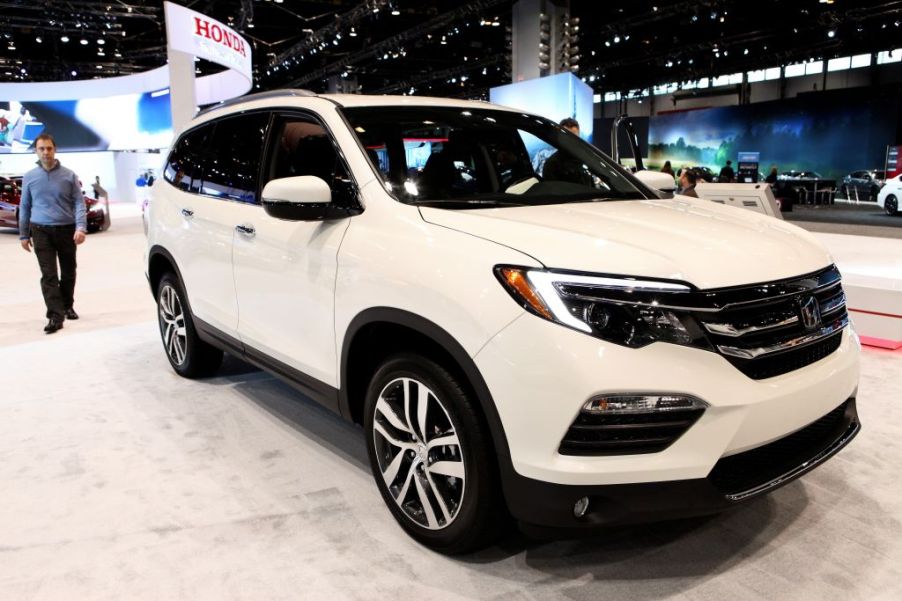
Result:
[{"x": 444, "y": 47}]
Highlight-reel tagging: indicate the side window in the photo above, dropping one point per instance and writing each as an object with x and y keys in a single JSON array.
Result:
[
  {"x": 302, "y": 146},
  {"x": 232, "y": 163},
  {"x": 184, "y": 164}
]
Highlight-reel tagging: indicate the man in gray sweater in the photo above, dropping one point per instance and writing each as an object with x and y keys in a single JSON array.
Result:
[{"x": 52, "y": 219}]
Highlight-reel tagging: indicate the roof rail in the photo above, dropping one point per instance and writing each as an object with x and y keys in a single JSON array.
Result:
[{"x": 256, "y": 96}]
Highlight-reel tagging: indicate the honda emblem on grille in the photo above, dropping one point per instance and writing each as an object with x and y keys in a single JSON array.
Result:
[{"x": 811, "y": 313}]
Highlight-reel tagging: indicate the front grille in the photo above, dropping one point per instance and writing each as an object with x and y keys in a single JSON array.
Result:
[
  {"x": 621, "y": 434},
  {"x": 782, "y": 363},
  {"x": 752, "y": 469},
  {"x": 762, "y": 329}
]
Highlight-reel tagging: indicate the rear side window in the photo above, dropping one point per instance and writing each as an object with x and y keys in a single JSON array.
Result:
[
  {"x": 232, "y": 164},
  {"x": 184, "y": 168}
]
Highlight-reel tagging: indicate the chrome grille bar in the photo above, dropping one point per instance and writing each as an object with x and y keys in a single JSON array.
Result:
[
  {"x": 755, "y": 352},
  {"x": 728, "y": 329}
]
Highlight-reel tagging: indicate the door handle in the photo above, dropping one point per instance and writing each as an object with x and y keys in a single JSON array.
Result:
[
  {"x": 187, "y": 213},
  {"x": 246, "y": 229}
]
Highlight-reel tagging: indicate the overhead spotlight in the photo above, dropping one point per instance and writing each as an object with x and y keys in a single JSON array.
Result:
[
  {"x": 64, "y": 39},
  {"x": 616, "y": 39},
  {"x": 38, "y": 40},
  {"x": 608, "y": 44},
  {"x": 101, "y": 41},
  {"x": 745, "y": 51},
  {"x": 831, "y": 34},
  {"x": 74, "y": 73},
  {"x": 99, "y": 66},
  {"x": 83, "y": 42},
  {"x": 395, "y": 12},
  {"x": 353, "y": 33}
]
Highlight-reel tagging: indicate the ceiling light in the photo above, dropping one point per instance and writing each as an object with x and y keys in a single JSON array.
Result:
[
  {"x": 101, "y": 41},
  {"x": 99, "y": 66},
  {"x": 353, "y": 33},
  {"x": 616, "y": 39},
  {"x": 64, "y": 39},
  {"x": 395, "y": 12},
  {"x": 38, "y": 40},
  {"x": 831, "y": 33},
  {"x": 84, "y": 42},
  {"x": 74, "y": 73}
]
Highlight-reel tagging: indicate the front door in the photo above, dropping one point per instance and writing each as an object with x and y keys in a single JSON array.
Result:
[{"x": 285, "y": 270}]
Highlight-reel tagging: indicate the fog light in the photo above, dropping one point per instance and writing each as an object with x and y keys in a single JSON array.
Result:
[
  {"x": 580, "y": 507},
  {"x": 641, "y": 403}
]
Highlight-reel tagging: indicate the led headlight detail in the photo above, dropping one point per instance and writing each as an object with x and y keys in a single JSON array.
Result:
[
  {"x": 611, "y": 404},
  {"x": 621, "y": 310}
]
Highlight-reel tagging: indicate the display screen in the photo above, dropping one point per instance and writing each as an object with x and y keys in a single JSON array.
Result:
[
  {"x": 831, "y": 135},
  {"x": 124, "y": 122},
  {"x": 554, "y": 97}
]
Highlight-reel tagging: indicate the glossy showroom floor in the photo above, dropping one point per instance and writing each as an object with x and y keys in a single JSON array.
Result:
[{"x": 119, "y": 480}]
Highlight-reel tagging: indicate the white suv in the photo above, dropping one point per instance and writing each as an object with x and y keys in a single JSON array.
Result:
[{"x": 521, "y": 327}]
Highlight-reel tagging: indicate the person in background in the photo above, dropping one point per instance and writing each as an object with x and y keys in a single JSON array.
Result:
[
  {"x": 772, "y": 176},
  {"x": 562, "y": 166},
  {"x": 667, "y": 169},
  {"x": 52, "y": 218},
  {"x": 727, "y": 174},
  {"x": 687, "y": 183},
  {"x": 99, "y": 192}
]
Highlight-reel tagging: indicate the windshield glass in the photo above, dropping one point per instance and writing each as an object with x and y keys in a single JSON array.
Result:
[{"x": 471, "y": 158}]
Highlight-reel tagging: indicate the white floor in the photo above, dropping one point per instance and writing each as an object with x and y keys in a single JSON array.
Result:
[{"x": 119, "y": 480}]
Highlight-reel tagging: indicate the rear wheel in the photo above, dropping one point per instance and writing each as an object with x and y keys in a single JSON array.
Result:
[
  {"x": 891, "y": 205},
  {"x": 431, "y": 455},
  {"x": 189, "y": 356}
]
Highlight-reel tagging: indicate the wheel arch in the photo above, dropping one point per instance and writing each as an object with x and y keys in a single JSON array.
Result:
[{"x": 389, "y": 330}]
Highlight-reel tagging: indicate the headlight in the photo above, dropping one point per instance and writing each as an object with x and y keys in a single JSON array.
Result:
[{"x": 628, "y": 311}]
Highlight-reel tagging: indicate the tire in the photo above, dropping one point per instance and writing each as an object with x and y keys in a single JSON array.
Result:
[
  {"x": 891, "y": 205},
  {"x": 188, "y": 355},
  {"x": 457, "y": 508}
]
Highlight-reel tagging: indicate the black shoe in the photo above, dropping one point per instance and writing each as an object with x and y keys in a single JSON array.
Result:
[
  {"x": 71, "y": 314},
  {"x": 53, "y": 325}
]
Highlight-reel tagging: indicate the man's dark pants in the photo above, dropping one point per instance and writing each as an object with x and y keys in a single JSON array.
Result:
[{"x": 54, "y": 243}]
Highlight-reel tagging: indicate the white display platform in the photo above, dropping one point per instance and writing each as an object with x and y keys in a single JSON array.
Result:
[{"x": 872, "y": 278}]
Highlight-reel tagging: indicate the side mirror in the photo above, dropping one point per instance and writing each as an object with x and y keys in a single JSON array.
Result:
[
  {"x": 301, "y": 198},
  {"x": 656, "y": 180}
]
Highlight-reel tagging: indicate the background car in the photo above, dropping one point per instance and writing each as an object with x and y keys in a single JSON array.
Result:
[
  {"x": 97, "y": 211},
  {"x": 863, "y": 185},
  {"x": 702, "y": 173},
  {"x": 796, "y": 174},
  {"x": 9, "y": 203},
  {"x": 889, "y": 195}
]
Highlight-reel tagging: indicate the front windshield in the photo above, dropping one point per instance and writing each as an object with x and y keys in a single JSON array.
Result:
[{"x": 471, "y": 158}]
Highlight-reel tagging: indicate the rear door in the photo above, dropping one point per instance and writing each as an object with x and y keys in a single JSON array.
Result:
[{"x": 222, "y": 195}]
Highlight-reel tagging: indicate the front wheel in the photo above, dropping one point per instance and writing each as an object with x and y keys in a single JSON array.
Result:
[
  {"x": 891, "y": 205},
  {"x": 431, "y": 455},
  {"x": 189, "y": 356}
]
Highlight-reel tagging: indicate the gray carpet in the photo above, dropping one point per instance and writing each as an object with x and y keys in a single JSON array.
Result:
[{"x": 119, "y": 480}]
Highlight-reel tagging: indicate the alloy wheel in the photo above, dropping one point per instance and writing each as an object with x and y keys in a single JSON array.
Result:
[
  {"x": 418, "y": 453},
  {"x": 172, "y": 319},
  {"x": 890, "y": 205}
]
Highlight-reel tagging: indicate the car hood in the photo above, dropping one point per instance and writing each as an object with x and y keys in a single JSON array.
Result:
[{"x": 693, "y": 240}]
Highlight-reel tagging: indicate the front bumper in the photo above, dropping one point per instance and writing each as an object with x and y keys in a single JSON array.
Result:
[
  {"x": 546, "y": 508},
  {"x": 540, "y": 374}
]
